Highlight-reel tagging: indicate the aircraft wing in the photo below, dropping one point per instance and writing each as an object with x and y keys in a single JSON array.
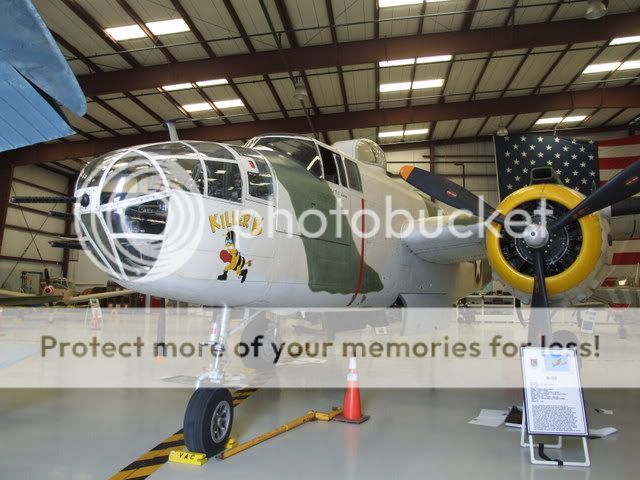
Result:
[
  {"x": 618, "y": 295},
  {"x": 97, "y": 296},
  {"x": 9, "y": 298},
  {"x": 431, "y": 239},
  {"x": 34, "y": 79}
]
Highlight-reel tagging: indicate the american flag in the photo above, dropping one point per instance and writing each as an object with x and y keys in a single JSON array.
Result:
[
  {"x": 615, "y": 155},
  {"x": 580, "y": 164},
  {"x": 575, "y": 161}
]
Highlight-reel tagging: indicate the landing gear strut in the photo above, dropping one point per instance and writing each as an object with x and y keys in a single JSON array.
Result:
[{"x": 209, "y": 415}]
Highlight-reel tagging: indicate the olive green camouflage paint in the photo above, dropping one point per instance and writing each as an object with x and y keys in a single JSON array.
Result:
[{"x": 333, "y": 260}]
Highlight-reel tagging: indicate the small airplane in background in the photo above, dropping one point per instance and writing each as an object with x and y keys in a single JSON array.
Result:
[
  {"x": 54, "y": 291},
  {"x": 155, "y": 216}
]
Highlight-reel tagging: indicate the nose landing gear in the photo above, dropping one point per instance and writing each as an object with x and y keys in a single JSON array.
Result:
[
  {"x": 208, "y": 420},
  {"x": 209, "y": 415}
]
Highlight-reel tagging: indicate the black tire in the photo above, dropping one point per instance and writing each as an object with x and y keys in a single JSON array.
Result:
[
  {"x": 260, "y": 327},
  {"x": 200, "y": 434}
]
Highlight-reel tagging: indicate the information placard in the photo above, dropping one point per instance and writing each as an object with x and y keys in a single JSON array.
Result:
[{"x": 554, "y": 404}]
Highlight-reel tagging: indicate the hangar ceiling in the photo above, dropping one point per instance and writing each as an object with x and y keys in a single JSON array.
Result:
[{"x": 438, "y": 70}]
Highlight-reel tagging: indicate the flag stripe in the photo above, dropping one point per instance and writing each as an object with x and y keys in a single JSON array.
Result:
[
  {"x": 626, "y": 258},
  {"x": 632, "y": 140},
  {"x": 609, "y": 163}
]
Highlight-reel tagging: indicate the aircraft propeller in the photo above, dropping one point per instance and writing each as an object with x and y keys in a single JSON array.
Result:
[{"x": 617, "y": 192}]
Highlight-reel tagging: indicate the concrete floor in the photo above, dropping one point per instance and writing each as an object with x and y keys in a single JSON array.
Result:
[{"x": 92, "y": 434}]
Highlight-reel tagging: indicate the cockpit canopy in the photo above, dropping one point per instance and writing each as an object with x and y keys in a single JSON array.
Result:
[{"x": 363, "y": 150}]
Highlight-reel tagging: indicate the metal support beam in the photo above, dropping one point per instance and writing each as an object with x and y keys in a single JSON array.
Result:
[
  {"x": 403, "y": 146},
  {"x": 29, "y": 260},
  {"x": 628, "y": 97},
  {"x": 68, "y": 225},
  {"x": 6, "y": 178},
  {"x": 363, "y": 51}
]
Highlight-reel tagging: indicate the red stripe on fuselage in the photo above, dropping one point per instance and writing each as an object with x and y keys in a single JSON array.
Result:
[{"x": 361, "y": 269}]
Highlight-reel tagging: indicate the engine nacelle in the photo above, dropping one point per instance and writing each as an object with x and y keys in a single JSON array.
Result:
[{"x": 575, "y": 256}]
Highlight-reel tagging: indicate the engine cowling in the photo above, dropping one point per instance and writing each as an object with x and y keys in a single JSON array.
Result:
[{"x": 575, "y": 255}]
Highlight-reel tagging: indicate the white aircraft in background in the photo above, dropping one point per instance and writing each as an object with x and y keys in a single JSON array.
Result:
[{"x": 186, "y": 220}]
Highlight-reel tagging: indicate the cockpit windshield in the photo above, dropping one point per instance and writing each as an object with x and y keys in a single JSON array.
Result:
[{"x": 303, "y": 152}]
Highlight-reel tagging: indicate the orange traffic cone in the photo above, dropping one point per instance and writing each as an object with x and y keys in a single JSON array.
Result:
[{"x": 351, "y": 410}]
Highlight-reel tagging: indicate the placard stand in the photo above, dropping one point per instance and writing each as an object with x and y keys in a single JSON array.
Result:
[{"x": 544, "y": 459}]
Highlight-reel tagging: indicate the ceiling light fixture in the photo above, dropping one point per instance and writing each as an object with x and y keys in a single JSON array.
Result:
[
  {"x": 391, "y": 133},
  {"x": 212, "y": 83},
  {"x": 177, "y": 86},
  {"x": 300, "y": 90},
  {"x": 438, "y": 82},
  {"x": 434, "y": 59},
  {"x": 630, "y": 65},
  {"x": 625, "y": 40},
  {"x": 417, "y": 131},
  {"x": 165, "y": 27},
  {"x": 197, "y": 107},
  {"x": 395, "y": 87},
  {"x": 399, "y": 3},
  {"x": 410, "y": 61},
  {"x": 556, "y": 120},
  {"x": 595, "y": 9},
  {"x": 601, "y": 67},
  {"x": 397, "y": 63},
  {"x": 126, "y": 32},
  {"x": 417, "y": 85},
  {"x": 236, "y": 102}
]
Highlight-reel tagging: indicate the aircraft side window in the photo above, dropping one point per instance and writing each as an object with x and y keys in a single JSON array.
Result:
[
  {"x": 260, "y": 182},
  {"x": 341, "y": 170},
  {"x": 329, "y": 165},
  {"x": 194, "y": 170},
  {"x": 353, "y": 174},
  {"x": 224, "y": 180}
]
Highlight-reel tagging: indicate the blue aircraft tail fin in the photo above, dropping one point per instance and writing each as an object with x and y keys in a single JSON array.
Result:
[{"x": 34, "y": 80}]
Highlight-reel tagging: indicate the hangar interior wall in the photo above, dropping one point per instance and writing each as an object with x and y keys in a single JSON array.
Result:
[
  {"x": 28, "y": 231},
  {"x": 478, "y": 159}
]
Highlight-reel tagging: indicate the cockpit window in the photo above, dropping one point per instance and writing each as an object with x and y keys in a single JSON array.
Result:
[
  {"x": 213, "y": 150},
  {"x": 131, "y": 176},
  {"x": 329, "y": 160},
  {"x": 303, "y": 152},
  {"x": 224, "y": 180},
  {"x": 260, "y": 182},
  {"x": 353, "y": 174},
  {"x": 195, "y": 172}
]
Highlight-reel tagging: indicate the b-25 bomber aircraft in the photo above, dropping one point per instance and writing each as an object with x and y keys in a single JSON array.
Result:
[{"x": 225, "y": 225}]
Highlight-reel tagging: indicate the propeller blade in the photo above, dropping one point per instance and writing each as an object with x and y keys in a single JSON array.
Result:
[
  {"x": 630, "y": 206},
  {"x": 47, "y": 277},
  {"x": 540, "y": 318},
  {"x": 446, "y": 191},
  {"x": 624, "y": 185},
  {"x": 539, "y": 298}
]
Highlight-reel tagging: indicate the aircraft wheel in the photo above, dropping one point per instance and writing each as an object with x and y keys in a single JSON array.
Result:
[
  {"x": 261, "y": 331},
  {"x": 208, "y": 420}
]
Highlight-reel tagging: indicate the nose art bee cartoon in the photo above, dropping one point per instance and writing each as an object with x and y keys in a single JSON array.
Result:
[{"x": 234, "y": 261}]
